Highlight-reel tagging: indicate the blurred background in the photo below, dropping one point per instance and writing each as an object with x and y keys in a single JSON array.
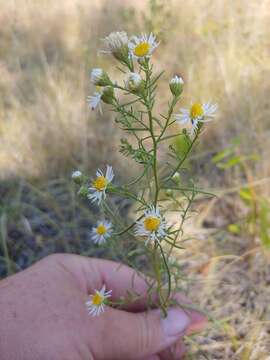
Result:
[{"x": 221, "y": 48}]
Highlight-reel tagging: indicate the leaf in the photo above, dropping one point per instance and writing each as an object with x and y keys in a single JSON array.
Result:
[
  {"x": 181, "y": 145},
  {"x": 234, "y": 229},
  {"x": 222, "y": 155},
  {"x": 245, "y": 195},
  {"x": 264, "y": 217},
  {"x": 231, "y": 162}
]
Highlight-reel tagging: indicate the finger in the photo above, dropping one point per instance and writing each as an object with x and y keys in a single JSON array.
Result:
[
  {"x": 93, "y": 273},
  {"x": 198, "y": 319},
  {"x": 121, "y": 279},
  {"x": 176, "y": 351},
  {"x": 137, "y": 335}
]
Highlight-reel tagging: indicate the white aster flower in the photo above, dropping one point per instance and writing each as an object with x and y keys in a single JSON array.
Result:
[
  {"x": 100, "y": 184},
  {"x": 152, "y": 225},
  {"x": 94, "y": 100},
  {"x": 196, "y": 113},
  {"x": 133, "y": 81},
  {"x": 117, "y": 44},
  {"x": 99, "y": 77},
  {"x": 101, "y": 232},
  {"x": 96, "y": 75},
  {"x": 96, "y": 304},
  {"x": 141, "y": 47}
]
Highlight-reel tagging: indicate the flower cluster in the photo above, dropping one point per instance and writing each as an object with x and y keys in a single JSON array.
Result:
[{"x": 138, "y": 118}]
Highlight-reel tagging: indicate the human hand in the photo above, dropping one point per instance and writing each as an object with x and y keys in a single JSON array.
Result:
[{"x": 44, "y": 316}]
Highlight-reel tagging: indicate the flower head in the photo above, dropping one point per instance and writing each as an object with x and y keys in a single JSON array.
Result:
[
  {"x": 197, "y": 113},
  {"x": 176, "y": 85},
  {"x": 94, "y": 100},
  {"x": 77, "y": 176},
  {"x": 117, "y": 44},
  {"x": 141, "y": 47},
  {"x": 106, "y": 94},
  {"x": 133, "y": 82},
  {"x": 152, "y": 225},
  {"x": 100, "y": 184},
  {"x": 101, "y": 232},
  {"x": 96, "y": 304},
  {"x": 99, "y": 77}
]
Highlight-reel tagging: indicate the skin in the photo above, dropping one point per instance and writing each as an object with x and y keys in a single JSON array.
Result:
[{"x": 43, "y": 315}]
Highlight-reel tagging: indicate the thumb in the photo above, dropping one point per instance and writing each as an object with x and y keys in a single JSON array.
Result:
[{"x": 138, "y": 335}]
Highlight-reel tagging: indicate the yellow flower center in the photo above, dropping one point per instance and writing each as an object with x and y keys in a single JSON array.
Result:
[
  {"x": 100, "y": 183},
  {"x": 101, "y": 229},
  {"x": 97, "y": 299},
  {"x": 142, "y": 49},
  {"x": 151, "y": 223},
  {"x": 196, "y": 110}
]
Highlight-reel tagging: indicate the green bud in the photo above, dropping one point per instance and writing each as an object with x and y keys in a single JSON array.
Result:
[
  {"x": 176, "y": 177},
  {"x": 176, "y": 85},
  {"x": 83, "y": 191},
  {"x": 77, "y": 177},
  {"x": 108, "y": 95},
  {"x": 169, "y": 192},
  {"x": 134, "y": 83}
]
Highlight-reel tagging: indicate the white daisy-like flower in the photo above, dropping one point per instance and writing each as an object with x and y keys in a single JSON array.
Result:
[
  {"x": 141, "y": 47},
  {"x": 99, "y": 77},
  {"x": 96, "y": 75},
  {"x": 117, "y": 44},
  {"x": 133, "y": 81},
  {"x": 96, "y": 304},
  {"x": 152, "y": 225},
  {"x": 94, "y": 100},
  {"x": 196, "y": 113},
  {"x": 101, "y": 232},
  {"x": 100, "y": 184}
]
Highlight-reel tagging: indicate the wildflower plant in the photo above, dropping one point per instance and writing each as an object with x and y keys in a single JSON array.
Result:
[{"x": 158, "y": 188}]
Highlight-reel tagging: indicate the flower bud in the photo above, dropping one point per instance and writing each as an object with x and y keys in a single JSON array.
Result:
[
  {"x": 108, "y": 95},
  {"x": 176, "y": 85},
  {"x": 169, "y": 192},
  {"x": 83, "y": 191},
  {"x": 134, "y": 82},
  {"x": 176, "y": 177},
  {"x": 99, "y": 77},
  {"x": 77, "y": 177}
]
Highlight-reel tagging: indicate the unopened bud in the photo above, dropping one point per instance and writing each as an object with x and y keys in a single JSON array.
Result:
[
  {"x": 176, "y": 85},
  {"x": 134, "y": 82},
  {"x": 77, "y": 177},
  {"x": 169, "y": 192},
  {"x": 176, "y": 177},
  {"x": 83, "y": 191},
  {"x": 108, "y": 95}
]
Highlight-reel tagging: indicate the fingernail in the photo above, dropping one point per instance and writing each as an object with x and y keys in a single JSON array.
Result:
[{"x": 176, "y": 322}]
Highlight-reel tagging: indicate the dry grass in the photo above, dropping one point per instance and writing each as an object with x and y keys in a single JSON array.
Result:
[{"x": 221, "y": 48}]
